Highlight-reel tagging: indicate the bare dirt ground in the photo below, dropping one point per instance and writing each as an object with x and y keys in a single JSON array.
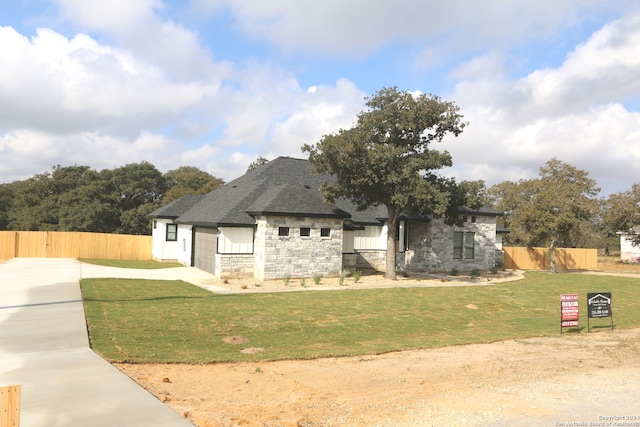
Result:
[{"x": 572, "y": 379}]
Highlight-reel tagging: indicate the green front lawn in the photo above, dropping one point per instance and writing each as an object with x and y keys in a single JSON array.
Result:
[{"x": 145, "y": 321}]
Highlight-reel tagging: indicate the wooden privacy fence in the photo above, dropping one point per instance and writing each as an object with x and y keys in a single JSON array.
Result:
[
  {"x": 10, "y": 406},
  {"x": 518, "y": 258},
  {"x": 63, "y": 244}
]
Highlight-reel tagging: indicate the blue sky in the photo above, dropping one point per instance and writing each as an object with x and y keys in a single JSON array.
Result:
[{"x": 217, "y": 83}]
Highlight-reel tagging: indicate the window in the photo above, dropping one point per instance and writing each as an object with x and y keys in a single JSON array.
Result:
[
  {"x": 325, "y": 232},
  {"x": 305, "y": 232},
  {"x": 463, "y": 245},
  {"x": 172, "y": 232},
  {"x": 283, "y": 231}
]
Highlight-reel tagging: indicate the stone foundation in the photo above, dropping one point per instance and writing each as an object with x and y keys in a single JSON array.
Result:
[
  {"x": 234, "y": 265},
  {"x": 368, "y": 259}
]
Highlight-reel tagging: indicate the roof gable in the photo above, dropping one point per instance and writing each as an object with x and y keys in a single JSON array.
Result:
[
  {"x": 284, "y": 186},
  {"x": 294, "y": 200}
]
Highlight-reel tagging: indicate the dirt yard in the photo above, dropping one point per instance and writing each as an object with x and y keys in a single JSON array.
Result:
[{"x": 573, "y": 379}]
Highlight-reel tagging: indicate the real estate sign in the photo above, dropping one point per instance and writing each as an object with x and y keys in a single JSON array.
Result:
[
  {"x": 569, "y": 311},
  {"x": 598, "y": 306}
]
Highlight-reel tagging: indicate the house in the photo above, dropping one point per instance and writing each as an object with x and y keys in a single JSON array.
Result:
[
  {"x": 627, "y": 249},
  {"x": 172, "y": 241},
  {"x": 273, "y": 222}
]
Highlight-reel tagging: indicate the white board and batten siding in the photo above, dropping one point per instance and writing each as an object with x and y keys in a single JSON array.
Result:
[
  {"x": 235, "y": 240},
  {"x": 373, "y": 237}
]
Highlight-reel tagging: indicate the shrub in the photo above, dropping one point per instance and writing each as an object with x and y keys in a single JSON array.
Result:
[
  {"x": 316, "y": 279},
  {"x": 454, "y": 272},
  {"x": 356, "y": 276},
  {"x": 475, "y": 273},
  {"x": 286, "y": 278},
  {"x": 303, "y": 283}
]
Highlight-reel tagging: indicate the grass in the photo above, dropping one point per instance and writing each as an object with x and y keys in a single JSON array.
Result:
[
  {"x": 142, "y": 264},
  {"x": 613, "y": 264},
  {"x": 146, "y": 321}
]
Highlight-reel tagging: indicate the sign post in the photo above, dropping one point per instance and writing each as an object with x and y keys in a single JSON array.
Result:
[
  {"x": 569, "y": 315},
  {"x": 10, "y": 406},
  {"x": 599, "y": 305}
]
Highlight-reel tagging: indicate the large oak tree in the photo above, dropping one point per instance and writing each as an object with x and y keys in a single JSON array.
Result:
[
  {"x": 550, "y": 211},
  {"x": 622, "y": 212},
  {"x": 386, "y": 159}
]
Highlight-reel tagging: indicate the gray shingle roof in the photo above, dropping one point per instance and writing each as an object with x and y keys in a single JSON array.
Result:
[
  {"x": 176, "y": 208},
  {"x": 485, "y": 210},
  {"x": 284, "y": 186}
]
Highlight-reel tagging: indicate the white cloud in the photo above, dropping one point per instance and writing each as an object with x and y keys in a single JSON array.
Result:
[
  {"x": 133, "y": 85},
  {"x": 602, "y": 69},
  {"x": 100, "y": 151},
  {"x": 17, "y": 146},
  {"x": 138, "y": 28},
  {"x": 62, "y": 85},
  {"x": 573, "y": 112},
  {"x": 278, "y": 122},
  {"x": 358, "y": 27}
]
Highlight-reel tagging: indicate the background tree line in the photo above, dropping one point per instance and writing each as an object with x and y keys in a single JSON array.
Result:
[
  {"x": 78, "y": 198},
  {"x": 561, "y": 208}
]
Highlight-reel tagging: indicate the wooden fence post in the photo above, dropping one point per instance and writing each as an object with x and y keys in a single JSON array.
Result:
[{"x": 10, "y": 406}]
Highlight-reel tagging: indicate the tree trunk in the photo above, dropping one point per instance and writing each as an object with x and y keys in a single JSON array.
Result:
[
  {"x": 552, "y": 256},
  {"x": 392, "y": 225}
]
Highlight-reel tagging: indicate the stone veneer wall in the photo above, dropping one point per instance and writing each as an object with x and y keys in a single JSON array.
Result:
[
  {"x": 431, "y": 246},
  {"x": 234, "y": 265},
  {"x": 349, "y": 263},
  {"x": 276, "y": 256},
  {"x": 371, "y": 259}
]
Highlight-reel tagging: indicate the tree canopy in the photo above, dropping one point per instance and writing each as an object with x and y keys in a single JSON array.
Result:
[
  {"x": 257, "y": 163},
  {"x": 622, "y": 212},
  {"x": 385, "y": 159},
  {"x": 551, "y": 210},
  {"x": 78, "y": 198},
  {"x": 188, "y": 180}
]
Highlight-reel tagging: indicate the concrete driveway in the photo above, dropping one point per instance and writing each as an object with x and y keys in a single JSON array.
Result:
[{"x": 44, "y": 348}]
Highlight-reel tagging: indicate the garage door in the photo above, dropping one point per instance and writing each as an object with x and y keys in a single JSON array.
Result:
[{"x": 205, "y": 248}]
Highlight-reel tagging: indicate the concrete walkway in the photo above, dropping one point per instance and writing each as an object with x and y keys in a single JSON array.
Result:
[
  {"x": 191, "y": 275},
  {"x": 44, "y": 348}
]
